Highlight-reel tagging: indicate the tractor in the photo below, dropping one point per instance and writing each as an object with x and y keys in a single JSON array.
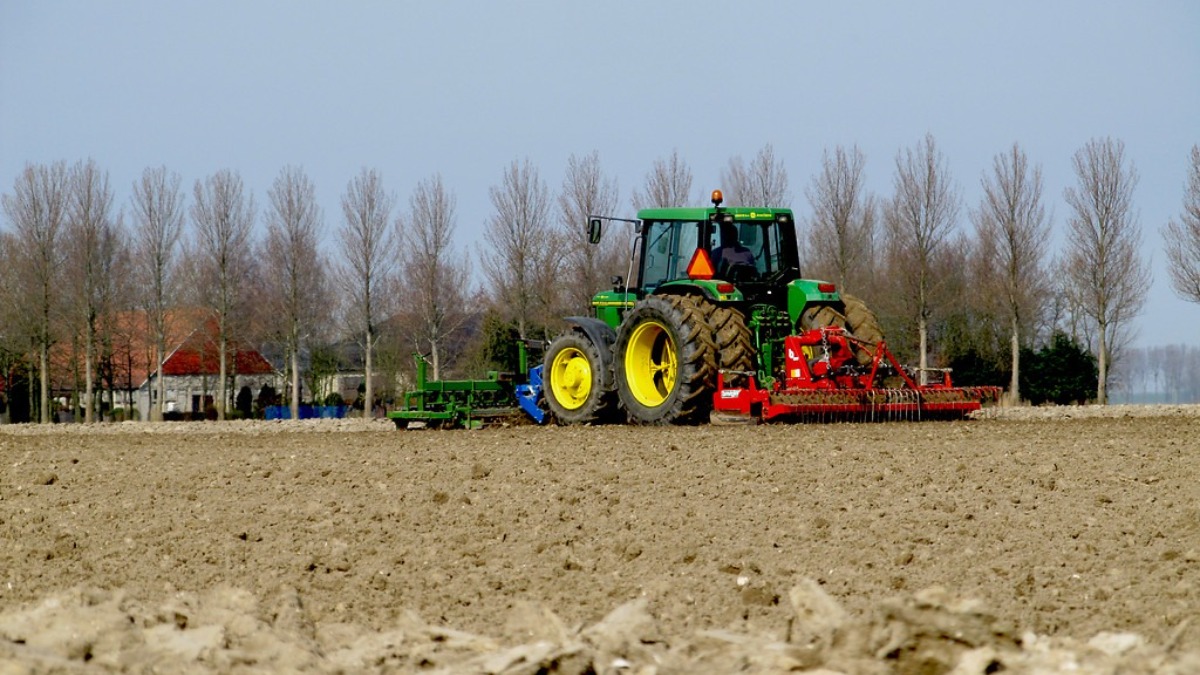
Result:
[{"x": 719, "y": 325}]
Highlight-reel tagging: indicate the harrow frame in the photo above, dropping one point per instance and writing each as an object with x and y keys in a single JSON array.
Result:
[{"x": 822, "y": 381}]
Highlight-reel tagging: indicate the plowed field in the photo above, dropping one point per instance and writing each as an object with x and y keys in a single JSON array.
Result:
[{"x": 331, "y": 533}]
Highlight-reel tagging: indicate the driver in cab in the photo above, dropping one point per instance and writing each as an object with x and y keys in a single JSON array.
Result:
[{"x": 730, "y": 252}]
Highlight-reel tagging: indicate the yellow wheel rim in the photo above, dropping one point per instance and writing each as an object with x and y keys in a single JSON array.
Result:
[
  {"x": 650, "y": 364},
  {"x": 571, "y": 378}
]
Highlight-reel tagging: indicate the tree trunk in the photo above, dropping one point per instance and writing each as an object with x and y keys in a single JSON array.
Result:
[
  {"x": 1102, "y": 383},
  {"x": 89, "y": 386},
  {"x": 923, "y": 333},
  {"x": 44, "y": 381},
  {"x": 158, "y": 407},
  {"x": 222, "y": 386},
  {"x": 368, "y": 385},
  {"x": 1014, "y": 386},
  {"x": 295, "y": 413}
]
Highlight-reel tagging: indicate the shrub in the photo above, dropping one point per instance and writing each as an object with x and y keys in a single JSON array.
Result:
[{"x": 1061, "y": 372}]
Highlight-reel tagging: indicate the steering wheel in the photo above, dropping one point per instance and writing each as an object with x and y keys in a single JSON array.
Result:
[{"x": 740, "y": 272}]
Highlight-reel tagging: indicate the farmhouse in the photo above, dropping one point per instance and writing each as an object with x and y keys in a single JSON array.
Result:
[{"x": 191, "y": 374}]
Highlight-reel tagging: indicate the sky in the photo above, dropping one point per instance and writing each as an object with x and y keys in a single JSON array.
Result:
[{"x": 463, "y": 89}]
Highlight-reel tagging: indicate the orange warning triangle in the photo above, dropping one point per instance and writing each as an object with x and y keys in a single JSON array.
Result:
[{"x": 701, "y": 266}]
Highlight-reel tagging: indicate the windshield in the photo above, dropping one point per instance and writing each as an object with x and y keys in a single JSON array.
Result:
[
  {"x": 740, "y": 251},
  {"x": 748, "y": 251}
]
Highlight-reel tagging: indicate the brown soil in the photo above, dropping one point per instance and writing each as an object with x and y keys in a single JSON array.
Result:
[{"x": 332, "y": 538}]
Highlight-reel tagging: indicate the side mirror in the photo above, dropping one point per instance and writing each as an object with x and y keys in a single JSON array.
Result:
[{"x": 594, "y": 230}]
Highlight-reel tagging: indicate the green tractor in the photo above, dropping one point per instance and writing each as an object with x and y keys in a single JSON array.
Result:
[{"x": 720, "y": 324}]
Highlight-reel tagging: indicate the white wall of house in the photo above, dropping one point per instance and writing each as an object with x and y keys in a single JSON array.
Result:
[{"x": 186, "y": 393}]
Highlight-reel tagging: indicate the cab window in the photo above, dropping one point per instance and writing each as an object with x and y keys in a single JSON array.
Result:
[{"x": 668, "y": 246}]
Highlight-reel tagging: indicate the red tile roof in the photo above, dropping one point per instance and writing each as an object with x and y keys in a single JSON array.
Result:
[{"x": 198, "y": 355}]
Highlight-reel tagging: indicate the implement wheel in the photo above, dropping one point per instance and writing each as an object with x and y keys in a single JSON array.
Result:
[
  {"x": 666, "y": 361},
  {"x": 575, "y": 381}
]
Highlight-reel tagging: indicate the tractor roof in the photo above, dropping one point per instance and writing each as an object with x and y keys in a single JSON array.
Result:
[{"x": 738, "y": 213}]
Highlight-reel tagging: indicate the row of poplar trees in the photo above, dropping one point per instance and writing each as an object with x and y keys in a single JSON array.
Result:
[{"x": 947, "y": 279}]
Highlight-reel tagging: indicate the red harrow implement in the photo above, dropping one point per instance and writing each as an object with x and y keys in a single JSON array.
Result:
[{"x": 824, "y": 381}]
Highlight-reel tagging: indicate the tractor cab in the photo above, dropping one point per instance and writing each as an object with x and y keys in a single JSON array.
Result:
[{"x": 733, "y": 254}]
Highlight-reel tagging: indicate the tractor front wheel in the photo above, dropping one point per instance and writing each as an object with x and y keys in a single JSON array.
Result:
[
  {"x": 575, "y": 381},
  {"x": 666, "y": 361}
]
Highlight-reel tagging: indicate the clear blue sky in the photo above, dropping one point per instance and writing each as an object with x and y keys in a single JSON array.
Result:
[{"x": 464, "y": 88}]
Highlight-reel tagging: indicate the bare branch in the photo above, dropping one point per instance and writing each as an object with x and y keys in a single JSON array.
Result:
[
  {"x": 668, "y": 184},
  {"x": 158, "y": 213},
  {"x": 91, "y": 246},
  {"x": 435, "y": 273},
  {"x": 223, "y": 216},
  {"x": 922, "y": 214},
  {"x": 523, "y": 256},
  {"x": 1104, "y": 267},
  {"x": 38, "y": 210},
  {"x": 295, "y": 285},
  {"x": 587, "y": 191},
  {"x": 763, "y": 183},
  {"x": 368, "y": 250},
  {"x": 1013, "y": 230},
  {"x": 842, "y": 226},
  {"x": 1183, "y": 237}
]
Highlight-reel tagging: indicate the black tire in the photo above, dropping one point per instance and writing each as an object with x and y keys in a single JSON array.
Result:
[
  {"x": 731, "y": 336},
  {"x": 862, "y": 324},
  {"x": 821, "y": 316},
  {"x": 575, "y": 382},
  {"x": 666, "y": 362}
]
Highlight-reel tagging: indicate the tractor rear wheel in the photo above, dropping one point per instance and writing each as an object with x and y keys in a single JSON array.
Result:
[
  {"x": 574, "y": 384},
  {"x": 862, "y": 324},
  {"x": 821, "y": 316},
  {"x": 731, "y": 336},
  {"x": 666, "y": 361}
]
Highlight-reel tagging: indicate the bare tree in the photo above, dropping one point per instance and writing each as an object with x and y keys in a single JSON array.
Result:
[
  {"x": 294, "y": 284},
  {"x": 668, "y": 184},
  {"x": 14, "y": 340},
  {"x": 158, "y": 213},
  {"x": 1013, "y": 230},
  {"x": 523, "y": 257},
  {"x": 587, "y": 191},
  {"x": 115, "y": 292},
  {"x": 91, "y": 244},
  {"x": 923, "y": 212},
  {"x": 763, "y": 183},
  {"x": 1183, "y": 238},
  {"x": 38, "y": 211},
  {"x": 223, "y": 215},
  {"x": 1105, "y": 270},
  {"x": 368, "y": 249},
  {"x": 435, "y": 273},
  {"x": 842, "y": 226}
]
